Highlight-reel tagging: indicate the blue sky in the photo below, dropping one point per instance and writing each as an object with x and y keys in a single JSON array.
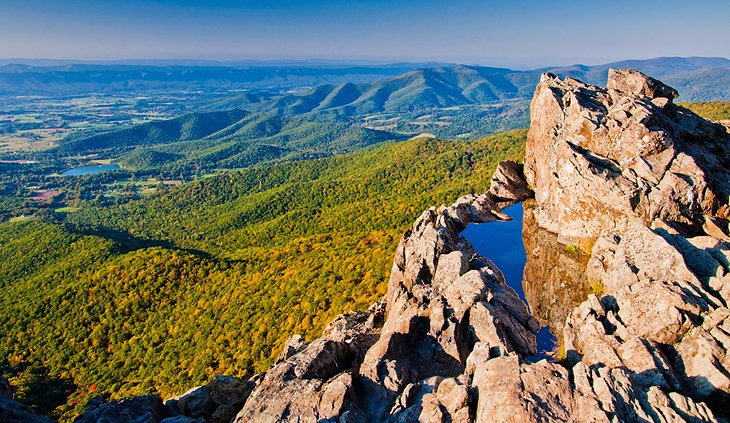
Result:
[{"x": 515, "y": 33}]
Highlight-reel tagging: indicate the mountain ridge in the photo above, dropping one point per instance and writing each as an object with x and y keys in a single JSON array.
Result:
[{"x": 423, "y": 89}]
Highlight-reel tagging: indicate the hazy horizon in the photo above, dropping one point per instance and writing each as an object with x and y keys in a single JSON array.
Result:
[{"x": 525, "y": 34}]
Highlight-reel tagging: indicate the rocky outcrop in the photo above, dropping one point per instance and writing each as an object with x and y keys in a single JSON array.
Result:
[
  {"x": 642, "y": 186},
  {"x": 598, "y": 158},
  {"x": 633, "y": 191},
  {"x": 216, "y": 402},
  {"x": 147, "y": 408},
  {"x": 11, "y": 411}
]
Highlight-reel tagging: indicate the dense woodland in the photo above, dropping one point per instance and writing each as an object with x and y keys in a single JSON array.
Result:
[
  {"x": 211, "y": 277},
  {"x": 715, "y": 110}
]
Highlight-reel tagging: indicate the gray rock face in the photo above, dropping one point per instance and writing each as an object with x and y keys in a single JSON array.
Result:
[
  {"x": 644, "y": 185},
  {"x": 508, "y": 182},
  {"x": 144, "y": 409},
  {"x": 636, "y": 184},
  {"x": 216, "y": 402}
]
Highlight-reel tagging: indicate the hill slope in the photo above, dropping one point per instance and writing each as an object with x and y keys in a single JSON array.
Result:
[
  {"x": 229, "y": 139},
  {"x": 212, "y": 277},
  {"x": 184, "y": 128}
]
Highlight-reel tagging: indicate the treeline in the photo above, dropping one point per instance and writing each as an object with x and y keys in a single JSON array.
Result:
[{"x": 715, "y": 110}]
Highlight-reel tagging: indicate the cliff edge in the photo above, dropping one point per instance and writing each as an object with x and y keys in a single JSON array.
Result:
[{"x": 639, "y": 184}]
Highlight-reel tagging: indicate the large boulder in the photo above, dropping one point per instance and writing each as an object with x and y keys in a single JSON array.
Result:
[
  {"x": 143, "y": 409},
  {"x": 216, "y": 402},
  {"x": 598, "y": 157},
  {"x": 12, "y": 411}
]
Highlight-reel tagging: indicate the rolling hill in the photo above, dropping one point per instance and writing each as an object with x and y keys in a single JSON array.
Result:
[
  {"x": 226, "y": 139},
  {"x": 184, "y": 128}
]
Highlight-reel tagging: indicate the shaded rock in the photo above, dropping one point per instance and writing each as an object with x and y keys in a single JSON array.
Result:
[
  {"x": 554, "y": 277},
  {"x": 316, "y": 383},
  {"x": 293, "y": 345},
  {"x": 5, "y": 388},
  {"x": 12, "y": 411},
  {"x": 143, "y": 409},
  {"x": 216, "y": 402},
  {"x": 508, "y": 183}
]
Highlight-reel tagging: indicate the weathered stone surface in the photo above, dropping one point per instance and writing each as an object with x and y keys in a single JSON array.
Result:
[
  {"x": 637, "y": 179},
  {"x": 316, "y": 382},
  {"x": 508, "y": 183},
  {"x": 216, "y": 402},
  {"x": 628, "y": 82},
  {"x": 144, "y": 409},
  {"x": 597, "y": 157},
  {"x": 442, "y": 298},
  {"x": 293, "y": 345}
]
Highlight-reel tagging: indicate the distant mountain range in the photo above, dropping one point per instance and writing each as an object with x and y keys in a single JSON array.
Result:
[
  {"x": 439, "y": 87},
  {"x": 70, "y": 79},
  {"x": 445, "y": 101},
  {"x": 224, "y": 139},
  {"x": 357, "y": 88}
]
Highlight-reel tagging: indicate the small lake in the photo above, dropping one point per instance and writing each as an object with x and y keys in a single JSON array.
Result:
[
  {"x": 89, "y": 170},
  {"x": 502, "y": 243}
]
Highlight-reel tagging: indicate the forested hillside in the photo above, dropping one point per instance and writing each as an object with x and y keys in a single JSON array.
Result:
[
  {"x": 188, "y": 127},
  {"x": 715, "y": 110},
  {"x": 229, "y": 139},
  {"x": 212, "y": 277}
]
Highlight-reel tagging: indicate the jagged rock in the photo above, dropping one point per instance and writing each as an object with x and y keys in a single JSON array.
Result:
[
  {"x": 508, "y": 182},
  {"x": 597, "y": 157},
  {"x": 216, "y": 402},
  {"x": 144, "y": 409},
  {"x": 316, "y": 383},
  {"x": 293, "y": 345},
  {"x": 629, "y": 82},
  {"x": 442, "y": 298}
]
